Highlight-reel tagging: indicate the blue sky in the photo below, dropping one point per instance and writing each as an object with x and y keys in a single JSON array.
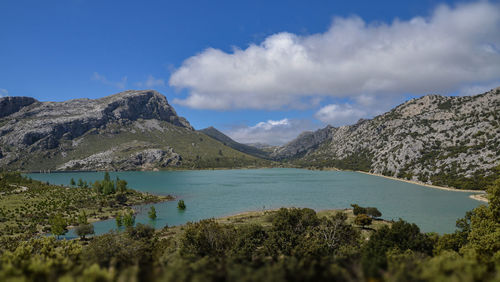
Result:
[{"x": 262, "y": 71}]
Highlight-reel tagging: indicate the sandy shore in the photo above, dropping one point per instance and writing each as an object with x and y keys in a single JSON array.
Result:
[{"x": 479, "y": 196}]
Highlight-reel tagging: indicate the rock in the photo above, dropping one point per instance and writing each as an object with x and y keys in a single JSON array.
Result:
[
  {"x": 418, "y": 139},
  {"x": 305, "y": 142},
  {"x": 45, "y": 124},
  {"x": 29, "y": 127},
  {"x": 112, "y": 160},
  {"x": 9, "y": 105}
]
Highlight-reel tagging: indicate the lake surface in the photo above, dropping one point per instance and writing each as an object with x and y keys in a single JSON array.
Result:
[{"x": 217, "y": 193}]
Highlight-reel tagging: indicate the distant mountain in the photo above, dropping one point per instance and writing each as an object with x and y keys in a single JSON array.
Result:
[
  {"x": 226, "y": 140},
  {"x": 262, "y": 146},
  {"x": 451, "y": 141},
  {"x": 128, "y": 130}
]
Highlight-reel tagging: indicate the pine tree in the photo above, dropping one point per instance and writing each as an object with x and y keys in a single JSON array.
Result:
[
  {"x": 152, "y": 213},
  {"x": 58, "y": 225}
]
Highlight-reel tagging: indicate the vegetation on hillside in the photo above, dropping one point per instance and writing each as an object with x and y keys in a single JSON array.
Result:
[
  {"x": 226, "y": 140},
  {"x": 197, "y": 150},
  {"x": 357, "y": 161},
  {"x": 29, "y": 207}
]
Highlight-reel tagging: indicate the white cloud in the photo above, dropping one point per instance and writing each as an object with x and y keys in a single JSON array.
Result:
[
  {"x": 152, "y": 82},
  {"x": 342, "y": 114},
  {"x": 3, "y": 92},
  {"x": 272, "y": 132},
  {"x": 117, "y": 84},
  {"x": 478, "y": 88},
  {"x": 453, "y": 47}
]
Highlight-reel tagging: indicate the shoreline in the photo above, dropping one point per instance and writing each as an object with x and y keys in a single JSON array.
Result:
[
  {"x": 477, "y": 192},
  {"x": 479, "y": 197},
  {"x": 94, "y": 219},
  {"x": 476, "y": 196}
]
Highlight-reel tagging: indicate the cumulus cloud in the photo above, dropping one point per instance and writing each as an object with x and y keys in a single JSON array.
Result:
[
  {"x": 336, "y": 115},
  {"x": 3, "y": 92},
  {"x": 151, "y": 82},
  {"x": 272, "y": 132},
  {"x": 453, "y": 47},
  {"x": 117, "y": 84}
]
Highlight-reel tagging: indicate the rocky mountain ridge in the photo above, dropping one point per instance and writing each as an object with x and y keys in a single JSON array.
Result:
[
  {"x": 226, "y": 140},
  {"x": 450, "y": 141},
  {"x": 128, "y": 130}
]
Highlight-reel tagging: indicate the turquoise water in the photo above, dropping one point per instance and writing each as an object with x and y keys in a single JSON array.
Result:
[{"x": 216, "y": 193}]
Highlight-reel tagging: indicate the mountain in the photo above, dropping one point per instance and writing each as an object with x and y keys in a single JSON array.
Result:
[
  {"x": 128, "y": 130},
  {"x": 262, "y": 146},
  {"x": 441, "y": 140},
  {"x": 226, "y": 140}
]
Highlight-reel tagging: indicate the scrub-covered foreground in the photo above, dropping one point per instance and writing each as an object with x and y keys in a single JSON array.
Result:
[{"x": 284, "y": 245}]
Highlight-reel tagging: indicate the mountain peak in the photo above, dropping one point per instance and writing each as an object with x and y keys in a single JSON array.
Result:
[{"x": 45, "y": 123}]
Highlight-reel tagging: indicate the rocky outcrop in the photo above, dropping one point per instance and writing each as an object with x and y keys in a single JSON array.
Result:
[
  {"x": 110, "y": 160},
  {"x": 9, "y": 105},
  {"x": 43, "y": 125},
  {"x": 432, "y": 139},
  {"x": 304, "y": 143},
  {"x": 126, "y": 131}
]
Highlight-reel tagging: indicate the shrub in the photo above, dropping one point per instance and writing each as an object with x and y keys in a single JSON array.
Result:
[
  {"x": 362, "y": 220},
  {"x": 181, "y": 205}
]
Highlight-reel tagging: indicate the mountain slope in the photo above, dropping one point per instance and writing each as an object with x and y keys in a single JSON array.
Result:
[
  {"x": 451, "y": 141},
  {"x": 226, "y": 140},
  {"x": 128, "y": 130}
]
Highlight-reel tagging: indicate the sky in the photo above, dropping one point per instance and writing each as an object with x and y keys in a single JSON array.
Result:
[{"x": 260, "y": 71}]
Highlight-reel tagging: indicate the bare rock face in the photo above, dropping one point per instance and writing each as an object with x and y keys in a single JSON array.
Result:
[
  {"x": 426, "y": 139},
  {"x": 305, "y": 142},
  {"x": 110, "y": 160},
  {"x": 9, "y": 105},
  {"x": 43, "y": 125},
  {"x": 28, "y": 126}
]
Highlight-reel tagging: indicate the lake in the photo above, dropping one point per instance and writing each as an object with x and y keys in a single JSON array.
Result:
[{"x": 217, "y": 193}]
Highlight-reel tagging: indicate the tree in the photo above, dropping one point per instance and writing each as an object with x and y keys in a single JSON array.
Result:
[
  {"x": 72, "y": 182},
  {"x": 181, "y": 205},
  {"x": 362, "y": 220},
  {"x": 335, "y": 231},
  {"x": 83, "y": 230},
  {"x": 82, "y": 218},
  {"x": 106, "y": 176},
  {"x": 108, "y": 187},
  {"x": 119, "y": 220},
  {"x": 121, "y": 185},
  {"x": 121, "y": 198},
  {"x": 373, "y": 212},
  {"x": 58, "y": 225},
  {"x": 97, "y": 186},
  {"x": 152, "y": 213},
  {"x": 129, "y": 219},
  {"x": 141, "y": 232},
  {"x": 484, "y": 234},
  {"x": 358, "y": 210},
  {"x": 400, "y": 236},
  {"x": 80, "y": 182}
]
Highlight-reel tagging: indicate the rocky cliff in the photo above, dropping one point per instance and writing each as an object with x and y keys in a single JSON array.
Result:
[
  {"x": 451, "y": 141},
  {"x": 128, "y": 130}
]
